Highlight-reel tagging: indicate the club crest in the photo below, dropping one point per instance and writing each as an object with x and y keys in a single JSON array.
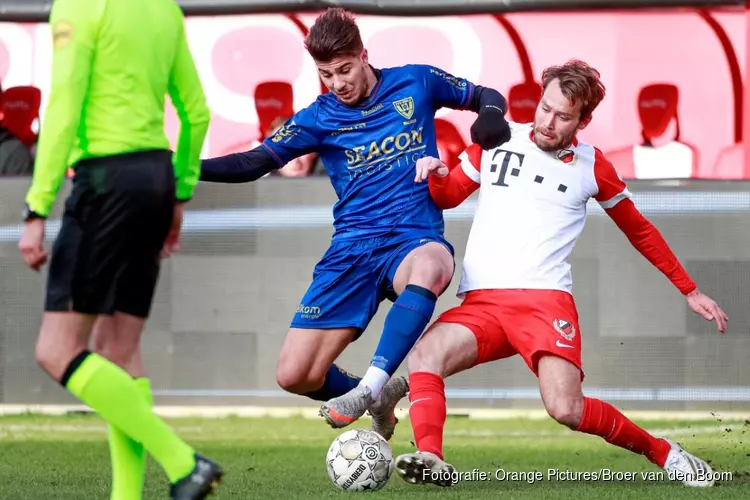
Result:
[
  {"x": 565, "y": 328},
  {"x": 405, "y": 107},
  {"x": 566, "y": 156}
]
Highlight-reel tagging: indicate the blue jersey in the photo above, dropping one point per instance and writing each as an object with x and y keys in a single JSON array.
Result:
[{"x": 370, "y": 150}]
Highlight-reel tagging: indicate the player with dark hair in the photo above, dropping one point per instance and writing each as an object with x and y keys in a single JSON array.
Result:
[
  {"x": 516, "y": 282},
  {"x": 388, "y": 242},
  {"x": 113, "y": 63}
]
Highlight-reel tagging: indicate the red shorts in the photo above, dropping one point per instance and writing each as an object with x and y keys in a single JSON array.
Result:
[{"x": 526, "y": 322}]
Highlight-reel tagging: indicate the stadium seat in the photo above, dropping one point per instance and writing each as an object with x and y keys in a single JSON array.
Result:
[
  {"x": 272, "y": 100},
  {"x": 657, "y": 156},
  {"x": 449, "y": 141},
  {"x": 523, "y": 98},
  {"x": 20, "y": 107}
]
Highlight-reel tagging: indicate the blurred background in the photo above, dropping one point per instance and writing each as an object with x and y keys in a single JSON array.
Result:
[{"x": 674, "y": 123}]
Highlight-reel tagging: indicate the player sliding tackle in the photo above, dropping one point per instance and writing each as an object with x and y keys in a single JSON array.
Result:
[
  {"x": 388, "y": 233},
  {"x": 516, "y": 281}
]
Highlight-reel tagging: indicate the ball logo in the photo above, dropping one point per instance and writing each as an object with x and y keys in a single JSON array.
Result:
[
  {"x": 371, "y": 453},
  {"x": 565, "y": 328}
]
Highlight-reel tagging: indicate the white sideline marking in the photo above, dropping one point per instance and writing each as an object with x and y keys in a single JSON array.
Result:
[
  {"x": 312, "y": 412},
  {"x": 470, "y": 433}
]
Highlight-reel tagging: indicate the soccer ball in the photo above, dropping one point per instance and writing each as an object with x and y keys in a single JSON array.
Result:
[{"x": 359, "y": 460}]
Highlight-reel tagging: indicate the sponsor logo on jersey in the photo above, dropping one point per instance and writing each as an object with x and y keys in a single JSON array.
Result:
[{"x": 385, "y": 149}]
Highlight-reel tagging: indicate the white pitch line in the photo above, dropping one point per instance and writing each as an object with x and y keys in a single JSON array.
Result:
[
  {"x": 401, "y": 412},
  {"x": 5, "y": 430}
]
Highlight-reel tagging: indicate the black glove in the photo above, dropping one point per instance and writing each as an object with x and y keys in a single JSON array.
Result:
[{"x": 490, "y": 129}]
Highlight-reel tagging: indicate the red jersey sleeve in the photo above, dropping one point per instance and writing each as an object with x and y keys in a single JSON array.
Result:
[
  {"x": 450, "y": 191},
  {"x": 611, "y": 188}
]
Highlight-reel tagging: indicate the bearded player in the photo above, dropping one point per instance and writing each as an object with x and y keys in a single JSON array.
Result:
[
  {"x": 516, "y": 281},
  {"x": 388, "y": 233}
]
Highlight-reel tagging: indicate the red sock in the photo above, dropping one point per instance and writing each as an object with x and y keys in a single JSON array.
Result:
[
  {"x": 604, "y": 420},
  {"x": 427, "y": 411}
]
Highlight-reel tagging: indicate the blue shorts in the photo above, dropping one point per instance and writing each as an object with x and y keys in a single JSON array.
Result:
[{"x": 353, "y": 278}]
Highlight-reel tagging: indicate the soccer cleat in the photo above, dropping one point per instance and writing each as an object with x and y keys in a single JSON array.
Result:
[
  {"x": 424, "y": 467},
  {"x": 383, "y": 409},
  {"x": 200, "y": 483},
  {"x": 347, "y": 408},
  {"x": 685, "y": 467}
]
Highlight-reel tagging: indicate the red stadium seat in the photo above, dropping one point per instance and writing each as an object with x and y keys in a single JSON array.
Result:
[
  {"x": 273, "y": 100},
  {"x": 20, "y": 107},
  {"x": 523, "y": 98},
  {"x": 658, "y": 156},
  {"x": 449, "y": 141}
]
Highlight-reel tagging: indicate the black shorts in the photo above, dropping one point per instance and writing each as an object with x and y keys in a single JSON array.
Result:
[{"x": 106, "y": 257}]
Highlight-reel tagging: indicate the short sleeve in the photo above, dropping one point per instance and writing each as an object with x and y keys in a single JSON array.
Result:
[{"x": 611, "y": 188}]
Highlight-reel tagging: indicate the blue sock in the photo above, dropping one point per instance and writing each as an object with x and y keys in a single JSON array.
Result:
[
  {"x": 404, "y": 325},
  {"x": 337, "y": 383}
]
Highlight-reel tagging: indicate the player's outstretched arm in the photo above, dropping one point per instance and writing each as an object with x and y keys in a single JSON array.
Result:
[
  {"x": 449, "y": 189},
  {"x": 297, "y": 137},
  {"x": 614, "y": 197},
  {"x": 239, "y": 167}
]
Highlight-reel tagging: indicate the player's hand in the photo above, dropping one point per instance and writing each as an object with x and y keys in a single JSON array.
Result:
[
  {"x": 31, "y": 244},
  {"x": 172, "y": 243},
  {"x": 427, "y": 166},
  {"x": 706, "y": 307},
  {"x": 490, "y": 129}
]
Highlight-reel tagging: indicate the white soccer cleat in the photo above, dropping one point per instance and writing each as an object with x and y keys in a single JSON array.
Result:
[
  {"x": 424, "y": 467},
  {"x": 686, "y": 467}
]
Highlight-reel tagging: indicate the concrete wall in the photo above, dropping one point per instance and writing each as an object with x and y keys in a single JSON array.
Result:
[{"x": 224, "y": 303}]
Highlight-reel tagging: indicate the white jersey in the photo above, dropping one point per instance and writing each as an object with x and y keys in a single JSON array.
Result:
[{"x": 531, "y": 211}]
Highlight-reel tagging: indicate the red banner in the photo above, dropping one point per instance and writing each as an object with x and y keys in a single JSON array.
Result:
[{"x": 636, "y": 52}]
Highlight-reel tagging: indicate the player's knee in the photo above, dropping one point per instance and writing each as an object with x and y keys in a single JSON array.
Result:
[
  {"x": 566, "y": 410},
  {"x": 296, "y": 378},
  {"x": 423, "y": 358},
  {"x": 52, "y": 358},
  {"x": 433, "y": 270},
  {"x": 45, "y": 357}
]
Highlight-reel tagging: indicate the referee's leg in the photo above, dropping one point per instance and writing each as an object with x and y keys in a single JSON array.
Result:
[
  {"x": 117, "y": 338},
  {"x": 89, "y": 259}
]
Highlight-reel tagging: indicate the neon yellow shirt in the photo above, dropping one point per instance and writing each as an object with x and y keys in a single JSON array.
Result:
[{"x": 114, "y": 62}]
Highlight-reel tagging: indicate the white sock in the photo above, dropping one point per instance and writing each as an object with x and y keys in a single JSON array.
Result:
[{"x": 375, "y": 379}]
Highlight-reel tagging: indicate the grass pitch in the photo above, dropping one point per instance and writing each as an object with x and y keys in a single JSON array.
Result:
[{"x": 44, "y": 457}]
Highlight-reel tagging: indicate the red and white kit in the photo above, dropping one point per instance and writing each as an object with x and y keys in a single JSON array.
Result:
[{"x": 516, "y": 280}]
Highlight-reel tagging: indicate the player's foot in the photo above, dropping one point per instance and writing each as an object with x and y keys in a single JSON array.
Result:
[
  {"x": 383, "y": 409},
  {"x": 685, "y": 467},
  {"x": 346, "y": 409},
  {"x": 200, "y": 483},
  {"x": 424, "y": 467}
]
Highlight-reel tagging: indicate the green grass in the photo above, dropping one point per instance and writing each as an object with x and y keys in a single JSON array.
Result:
[{"x": 67, "y": 458}]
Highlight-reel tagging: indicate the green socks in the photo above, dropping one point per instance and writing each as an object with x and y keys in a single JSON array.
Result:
[
  {"x": 115, "y": 396},
  {"x": 128, "y": 456}
]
